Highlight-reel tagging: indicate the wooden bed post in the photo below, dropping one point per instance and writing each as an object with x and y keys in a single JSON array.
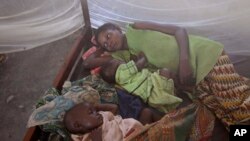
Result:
[
  {"x": 85, "y": 11},
  {"x": 33, "y": 133},
  {"x": 76, "y": 49}
]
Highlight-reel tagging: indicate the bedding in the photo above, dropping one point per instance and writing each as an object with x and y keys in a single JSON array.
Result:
[{"x": 192, "y": 122}]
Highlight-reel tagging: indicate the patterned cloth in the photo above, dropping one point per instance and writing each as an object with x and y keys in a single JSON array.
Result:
[
  {"x": 51, "y": 108},
  {"x": 173, "y": 126},
  {"x": 106, "y": 91},
  {"x": 223, "y": 94},
  {"x": 226, "y": 93}
]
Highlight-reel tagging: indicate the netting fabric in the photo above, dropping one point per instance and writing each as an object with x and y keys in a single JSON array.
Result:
[{"x": 29, "y": 23}]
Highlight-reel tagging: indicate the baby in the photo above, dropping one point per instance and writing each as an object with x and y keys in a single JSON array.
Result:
[
  {"x": 98, "y": 122},
  {"x": 154, "y": 88}
]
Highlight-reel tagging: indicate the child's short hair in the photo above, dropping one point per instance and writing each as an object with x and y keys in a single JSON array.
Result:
[{"x": 69, "y": 122}]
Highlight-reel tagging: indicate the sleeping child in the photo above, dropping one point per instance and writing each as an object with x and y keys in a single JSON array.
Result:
[
  {"x": 86, "y": 121},
  {"x": 156, "y": 89}
]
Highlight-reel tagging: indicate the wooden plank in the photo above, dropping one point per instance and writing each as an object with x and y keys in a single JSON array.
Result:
[
  {"x": 85, "y": 11},
  {"x": 32, "y": 134},
  {"x": 68, "y": 63}
]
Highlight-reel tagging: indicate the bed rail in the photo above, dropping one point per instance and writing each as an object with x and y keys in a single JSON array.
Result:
[{"x": 69, "y": 66}]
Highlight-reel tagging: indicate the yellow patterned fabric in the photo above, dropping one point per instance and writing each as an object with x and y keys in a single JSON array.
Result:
[
  {"x": 226, "y": 93},
  {"x": 174, "y": 126},
  {"x": 203, "y": 126}
]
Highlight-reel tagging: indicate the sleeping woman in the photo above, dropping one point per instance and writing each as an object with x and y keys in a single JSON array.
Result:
[{"x": 201, "y": 64}]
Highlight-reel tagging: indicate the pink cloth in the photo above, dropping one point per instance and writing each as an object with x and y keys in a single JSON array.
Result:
[
  {"x": 87, "y": 54},
  {"x": 114, "y": 128}
]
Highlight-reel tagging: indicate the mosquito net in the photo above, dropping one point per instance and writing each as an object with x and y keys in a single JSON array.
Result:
[
  {"x": 25, "y": 24},
  {"x": 29, "y": 23}
]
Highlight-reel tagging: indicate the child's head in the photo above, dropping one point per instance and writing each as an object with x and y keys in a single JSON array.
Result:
[
  {"x": 108, "y": 70},
  {"x": 82, "y": 118}
]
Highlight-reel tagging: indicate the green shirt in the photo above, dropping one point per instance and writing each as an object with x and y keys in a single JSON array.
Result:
[
  {"x": 154, "y": 89},
  {"x": 162, "y": 50}
]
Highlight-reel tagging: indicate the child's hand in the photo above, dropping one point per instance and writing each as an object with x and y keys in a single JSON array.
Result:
[
  {"x": 105, "y": 53},
  {"x": 96, "y": 134},
  {"x": 141, "y": 55},
  {"x": 141, "y": 61}
]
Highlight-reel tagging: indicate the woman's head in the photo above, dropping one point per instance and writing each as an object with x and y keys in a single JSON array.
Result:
[
  {"x": 110, "y": 37},
  {"x": 108, "y": 70},
  {"x": 82, "y": 118}
]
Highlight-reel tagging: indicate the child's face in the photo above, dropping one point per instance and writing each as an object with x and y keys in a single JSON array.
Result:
[
  {"x": 88, "y": 118},
  {"x": 111, "y": 40}
]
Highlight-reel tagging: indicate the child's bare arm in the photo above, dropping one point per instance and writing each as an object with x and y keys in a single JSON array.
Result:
[{"x": 107, "y": 107}]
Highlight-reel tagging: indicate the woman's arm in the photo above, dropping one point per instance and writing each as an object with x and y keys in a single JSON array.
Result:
[
  {"x": 96, "y": 59},
  {"x": 180, "y": 34}
]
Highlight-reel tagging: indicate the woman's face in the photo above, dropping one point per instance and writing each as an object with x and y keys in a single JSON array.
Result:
[
  {"x": 88, "y": 118},
  {"x": 111, "y": 40}
]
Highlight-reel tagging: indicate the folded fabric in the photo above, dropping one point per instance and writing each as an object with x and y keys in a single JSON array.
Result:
[
  {"x": 130, "y": 106},
  {"x": 55, "y": 110}
]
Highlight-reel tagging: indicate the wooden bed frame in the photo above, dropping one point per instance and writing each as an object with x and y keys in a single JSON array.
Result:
[{"x": 72, "y": 69}]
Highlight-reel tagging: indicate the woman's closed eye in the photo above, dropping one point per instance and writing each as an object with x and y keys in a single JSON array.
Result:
[
  {"x": 90, "y": 112},
  {"x": 108, "y": 36}
]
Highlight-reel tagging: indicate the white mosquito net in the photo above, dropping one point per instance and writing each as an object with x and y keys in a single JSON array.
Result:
[
  {"x": 26, "y": 24},
  {"x": 29, "y": 23}
]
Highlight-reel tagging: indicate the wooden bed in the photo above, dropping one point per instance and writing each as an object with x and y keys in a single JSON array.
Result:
[{"x": 73, "y": 70}]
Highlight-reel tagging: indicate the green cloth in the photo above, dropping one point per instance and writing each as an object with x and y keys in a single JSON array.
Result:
[
  {"x": 162, "y": 50},
  {"x": 123, "y": 55},
  {"x": 153, "y": 88}
]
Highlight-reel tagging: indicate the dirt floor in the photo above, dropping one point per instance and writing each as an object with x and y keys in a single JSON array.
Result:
[{"x": 24, "y": 77}]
